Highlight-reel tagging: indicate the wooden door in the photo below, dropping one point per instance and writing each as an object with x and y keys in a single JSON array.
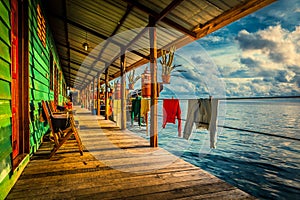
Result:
[{"x": 14, "y": 78}]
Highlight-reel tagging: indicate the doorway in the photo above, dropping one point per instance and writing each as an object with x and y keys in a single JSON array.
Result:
[{"x": 19, "y": 81}]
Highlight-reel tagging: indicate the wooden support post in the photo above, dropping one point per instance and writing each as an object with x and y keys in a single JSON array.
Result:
[
  {"x": 106, "y": 95},
  {"x": 84, "y": 100},
  {"x": 89, "y": 95},
  {"x": 93, "y": 96},
  {"x": 123, "y": 90},
  {"x": 98, "y": 94},
  {"x": 153, "y": 70}
]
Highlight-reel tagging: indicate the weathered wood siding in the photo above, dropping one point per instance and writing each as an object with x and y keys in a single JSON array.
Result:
[{"x": 39, "y": 72}]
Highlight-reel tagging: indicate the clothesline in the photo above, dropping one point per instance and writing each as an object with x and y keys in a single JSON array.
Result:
[
  {"x": 239, "y": 129},
  {"x": 250, "y": 131},
  {"x": 231, "y": 98}
]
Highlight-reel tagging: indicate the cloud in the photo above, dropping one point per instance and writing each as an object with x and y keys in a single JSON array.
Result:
[
  {"x": 213, "y": 38},
  {"x": 248, "y": 41},
  {"x": 240, "y": 73},
  {"x": 266, "y": 73},
  {"x": 283, "y": 12},
  {"x": 249, "y": 62},
  {"x": 285, "y": 76},
  {"x": 258, "y": 55},
  {"x": 280, "y": 46},
  {"x": 270, "y": 54},
  {"x": 297, "y": 80}
]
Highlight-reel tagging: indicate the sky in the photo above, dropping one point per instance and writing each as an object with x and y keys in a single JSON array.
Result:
[{"x": 258, "y": 55}]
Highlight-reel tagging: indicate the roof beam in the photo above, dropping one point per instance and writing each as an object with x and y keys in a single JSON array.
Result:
[
  {"x": 84, "y": 80},
  {"x": 128, "y": 9},
  {"x": 64, "y": 6},
  {"x": 85, "y": 53},
  {"x": 93, "y": 32},
  {"x": 120, "y": 23},
  {"x": 78, "y": 75},
  {"x": 168, "y": 9},
  {"x": 138, "y": 53},
  {"x": 78, "y": 69},
  {"x": 157, "y": 18},
  {"x": 162, "y": 15},
  {"x": 230, "y": 16},
  {"x": 73, "y": 79},
  {"x": 78, "y": 64},
  {"x": 178, "y": 43}
]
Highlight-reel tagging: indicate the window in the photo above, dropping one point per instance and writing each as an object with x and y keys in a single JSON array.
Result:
[
  {"x": 51, "y": 71},
  {"x": 41, "y": 26},
  {"x": 59, "y": 82}
]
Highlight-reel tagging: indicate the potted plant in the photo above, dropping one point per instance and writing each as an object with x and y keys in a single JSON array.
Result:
[
  {"x": 102, "y": 89},
  {"x": 115, "y": 89},
  {"x": 132, "y": 79},
  {"x": 166, "y": 63}
]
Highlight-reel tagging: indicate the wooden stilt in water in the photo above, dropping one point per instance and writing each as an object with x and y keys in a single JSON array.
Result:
[
  {"x": 123, "y": 90},
  {"x": 106, "y": 95},
  {"x": 153, "y": 70}
]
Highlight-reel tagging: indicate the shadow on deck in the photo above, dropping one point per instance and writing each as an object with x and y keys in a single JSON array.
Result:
[{"x": 115, "y": 165}]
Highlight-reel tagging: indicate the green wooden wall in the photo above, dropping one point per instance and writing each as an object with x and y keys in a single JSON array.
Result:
[
  {"x": 5, "y": 94},
  {"x": 39, "y": 89},
  {"x": 39, "y": 60}
]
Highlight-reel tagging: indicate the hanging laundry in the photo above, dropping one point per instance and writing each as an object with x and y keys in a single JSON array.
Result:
[
  {"x": 213, "y": 123},
  {"x": 117, "y": 111},
  {"x": 145, "y": 107},
  {"x": 171, "y": 111},
  {"x": 136, "y": 110},
  {"x": 203, "y": 113},
  {"x": 193, "y": 116}
]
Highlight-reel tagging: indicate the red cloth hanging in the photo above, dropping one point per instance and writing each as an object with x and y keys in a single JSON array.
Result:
[{"x": 171, "y": 111}]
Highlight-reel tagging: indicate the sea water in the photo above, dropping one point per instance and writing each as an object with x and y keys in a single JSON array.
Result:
[{"x": 264, "y": 166}]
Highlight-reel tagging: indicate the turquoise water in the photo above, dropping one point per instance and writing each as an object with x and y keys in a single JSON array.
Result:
[{"x": 264, "y": 166}]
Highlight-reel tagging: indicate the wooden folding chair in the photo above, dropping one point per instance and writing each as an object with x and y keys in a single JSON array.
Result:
[
  {"x": 53, "y": 108},
  {"x": 60, "y": 129}
]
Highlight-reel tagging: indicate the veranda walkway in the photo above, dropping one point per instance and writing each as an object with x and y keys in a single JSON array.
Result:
[{"x": 115, "y": 165}]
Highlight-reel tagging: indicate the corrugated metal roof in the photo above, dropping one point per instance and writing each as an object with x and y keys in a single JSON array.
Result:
[{"x": 109, "y": 25}]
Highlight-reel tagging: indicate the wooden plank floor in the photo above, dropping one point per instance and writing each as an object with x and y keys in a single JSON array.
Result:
[{"x": 115, "y": 165}]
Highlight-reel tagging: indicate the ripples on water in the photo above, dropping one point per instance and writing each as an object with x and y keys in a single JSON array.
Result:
[{"x": 264, "y": 166}]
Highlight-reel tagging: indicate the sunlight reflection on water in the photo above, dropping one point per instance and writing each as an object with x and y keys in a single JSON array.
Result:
[{"x": 264, "y": 166}]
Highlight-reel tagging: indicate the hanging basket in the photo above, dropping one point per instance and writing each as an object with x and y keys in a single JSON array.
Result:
[
  {"x": 131, "y": 86},
  {"x": 166, "y": 78}
]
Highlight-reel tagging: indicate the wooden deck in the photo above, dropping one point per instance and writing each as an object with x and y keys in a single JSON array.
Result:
[{"x": 115, "y": 165}]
